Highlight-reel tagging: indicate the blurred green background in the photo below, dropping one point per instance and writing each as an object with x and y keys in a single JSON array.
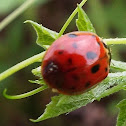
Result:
[{"x": 17, "y": 42}]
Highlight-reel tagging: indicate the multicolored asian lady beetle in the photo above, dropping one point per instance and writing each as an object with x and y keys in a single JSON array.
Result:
[{"x": 75, "y": 62}]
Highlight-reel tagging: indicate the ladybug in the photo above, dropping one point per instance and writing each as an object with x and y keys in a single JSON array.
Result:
[{"x": 75, "y": 62}]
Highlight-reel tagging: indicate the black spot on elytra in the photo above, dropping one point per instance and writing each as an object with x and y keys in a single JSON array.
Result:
[
  {"x": 60, "y": 52},
  {"x": 91, "y": 55},
  {"x": 75, "y": 77},
  {"x": 95, "y": 68},
  {"x": 69, "y": 61},
  {"x": 87, "y": 84},
  {"x": 106, "y": 69},
  {"x": 74, "y": 45},
  {"x": 72, "y": 88},
  {"x": 105, "y": 77},
  {"x": 72, "y": 35}
]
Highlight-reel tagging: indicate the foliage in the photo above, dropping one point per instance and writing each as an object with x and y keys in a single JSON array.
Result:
[
  {"x": 122, "y": 113},
  {"x": 83, "y": 22},
  {"x": 44, "y": 35},
  {"x": 64, "y": 104}
]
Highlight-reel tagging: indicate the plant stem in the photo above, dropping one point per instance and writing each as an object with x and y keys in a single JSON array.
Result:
[
  {"x": 115, "y": 41},
  {"x": 16, "y": 13},
  {"x": 70, "y": 19},
  {"x": 21, "y": 65},
  {"x": 30, "y": 93}
]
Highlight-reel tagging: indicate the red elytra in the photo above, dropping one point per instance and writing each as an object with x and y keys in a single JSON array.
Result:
[{"x": 75, "y": 62}]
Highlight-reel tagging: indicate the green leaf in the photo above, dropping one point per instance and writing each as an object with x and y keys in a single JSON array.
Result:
[
  {"x": 40, "y": 82},
  {"x": 53, "y": 109},
  {"x": 121, "y": 120},
  {"x": 83, "y": 22},
  {"x": 118, "y": 65},
  {"x": 45, "y": 36},
  {"x": 37, "y": 72},
  {"x": 65, "y": 104}
]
